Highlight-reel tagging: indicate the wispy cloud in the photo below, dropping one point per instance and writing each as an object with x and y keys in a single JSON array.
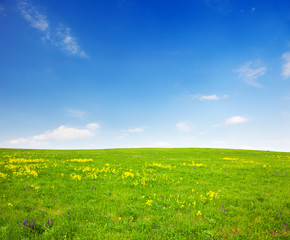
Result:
[
  {"x": 93, "y": 126},
  {"x": 129, "y": 131},
  {"x": 184, "y": 127},
  {"x": 123, "y": 136},
  {"x": 60, "y": 36},
  {"x": 35, "y": 18},
  {"x": 286, "y": 65},
  {"x": 62, "y": 133},
  {"x": 212, "y": 97},
  {"x": 219, "y": 5},
  {"x": 134, "y": 130},
  {"x": 63, "y": 39},
  {"x": 235, "y": 120},
  {"x": 232, "y": 121},
  {"x": 2, "y": 11},
  {"x": 75, "y": 113},
  {"x": 209, "y": 97},
  {"x": 250, "y": 72}
]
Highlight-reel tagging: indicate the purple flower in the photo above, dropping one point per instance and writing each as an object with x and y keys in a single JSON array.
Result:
[
  {"x": 280, "y": 214},
  {"x": 67, "y": 212},
  {"x": 223, "y": 208},
  {"x": 161, "y": 196},
  {"x": 93, "y": 188},
  {"x": 32, "y": 220},
  {"x": 51, "y": 221},
  {"x": 47, "y": 223},
  {"x": 25, "y": 222},
  {"x": 285, "y": 226}
]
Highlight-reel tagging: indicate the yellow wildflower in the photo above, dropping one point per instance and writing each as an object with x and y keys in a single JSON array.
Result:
[{"x": 149, "y": 202}]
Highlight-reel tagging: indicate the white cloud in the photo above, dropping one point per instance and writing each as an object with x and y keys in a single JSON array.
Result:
[
  {"x": 63, "y": 39},
  {"x": 286, "y": 65},
  {"x": 232, "y": 121},
  {"x": 134, "y": 130},
  {"x": 250, "y": 72},
  {"x": 212, "y": 97},
  {"x": 93, "y": 126},
  {"x": 35, "y": 18},
  {"x": 183, "y": 127},
  {"x": 235, "y": 120},
  {"x": 62, "y": 133},
  {"x": 162, "y": 144},
  {"x": 60, "y": 36}
]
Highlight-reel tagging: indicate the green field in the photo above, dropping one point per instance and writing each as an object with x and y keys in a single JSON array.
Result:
[{"x": 144, "y": 194}]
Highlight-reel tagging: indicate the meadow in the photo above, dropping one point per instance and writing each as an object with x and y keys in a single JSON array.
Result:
[{"x": 144, "y": 194}]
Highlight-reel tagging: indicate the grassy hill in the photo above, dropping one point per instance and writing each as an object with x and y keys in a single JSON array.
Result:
[{"x": 144, "y": 194}]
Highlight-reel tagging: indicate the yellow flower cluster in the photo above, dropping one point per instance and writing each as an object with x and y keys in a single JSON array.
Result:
[
  {"x": 3, "y": 175},
  {"x": 93, "y": 173},
  {"x": 23, "y": 160},
  {"x": 149, "y": 202},
  {"x": 213, "y": 195},
  {"x": 160, "y": 165},
  {"x": 76, "y": 177},
  {"x": 197, "y": 164},
  {"x": 81, "y": 160},
  {"x": 231, "y": 159},
  {"x": 198, "y": 213},
  {"x": 26, "y": 170},
  {"x": 128, "y": 174},
  {"x": 193, "y": 164}
]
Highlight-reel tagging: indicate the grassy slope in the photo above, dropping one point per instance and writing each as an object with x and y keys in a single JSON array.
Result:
[{"x": 144, "y": 194}]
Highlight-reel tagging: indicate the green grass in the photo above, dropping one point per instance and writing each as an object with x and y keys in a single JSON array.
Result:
[{"x": 144, "y": 194}]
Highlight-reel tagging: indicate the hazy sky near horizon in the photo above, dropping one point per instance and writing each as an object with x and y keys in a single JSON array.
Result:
[{"x": 145, "y": 73}]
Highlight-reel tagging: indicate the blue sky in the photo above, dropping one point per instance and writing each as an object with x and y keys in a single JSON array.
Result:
[{"x": 136, "y": 73}]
